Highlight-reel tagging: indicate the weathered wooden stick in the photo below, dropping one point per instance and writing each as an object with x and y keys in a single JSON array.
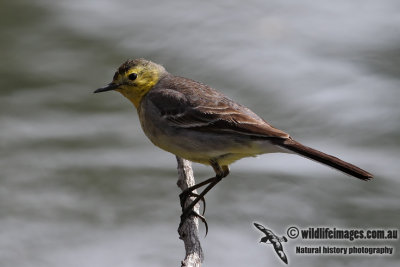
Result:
[{"x": 189, "y": 232}]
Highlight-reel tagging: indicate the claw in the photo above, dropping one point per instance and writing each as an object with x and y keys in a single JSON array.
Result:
[
  {"x": 182, "y": 198},
  {"x": 186, "y": 215},
  {"x": 202, "y": 200},
  {"x": 203, "y": 219}
]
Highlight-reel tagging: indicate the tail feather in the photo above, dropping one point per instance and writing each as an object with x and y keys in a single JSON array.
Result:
[{"x": 323, "y": 158}]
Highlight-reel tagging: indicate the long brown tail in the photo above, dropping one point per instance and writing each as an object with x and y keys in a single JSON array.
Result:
[{"x": 323, "y": 158}]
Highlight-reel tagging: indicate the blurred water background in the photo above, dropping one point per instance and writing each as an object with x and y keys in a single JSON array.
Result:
[{"x": 80, "y": 184}]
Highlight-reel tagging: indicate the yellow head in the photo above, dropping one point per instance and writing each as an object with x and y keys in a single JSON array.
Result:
[{"x": 135, "y": 78}]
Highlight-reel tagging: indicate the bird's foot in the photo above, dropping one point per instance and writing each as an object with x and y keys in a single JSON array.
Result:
[
  {"x": 186, "y": 194},
  {"x": 187, "y": 213}
]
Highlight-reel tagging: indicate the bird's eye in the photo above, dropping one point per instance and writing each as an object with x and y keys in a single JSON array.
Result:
[{"x": 132, "y": 76}]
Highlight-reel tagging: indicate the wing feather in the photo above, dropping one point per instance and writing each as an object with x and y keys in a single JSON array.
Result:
[{"x": 208, "y": 111}]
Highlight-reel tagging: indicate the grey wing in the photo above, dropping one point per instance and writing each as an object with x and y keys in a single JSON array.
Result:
[
  {"x": 214, "y": 113},
  {"x": 176, "y": 109}
]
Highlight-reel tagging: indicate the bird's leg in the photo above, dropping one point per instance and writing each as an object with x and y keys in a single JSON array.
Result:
[
  {"x": 188, "y": 192},
  {"x": 221, "y": 172},
  {"x": 184, "y": 196}
]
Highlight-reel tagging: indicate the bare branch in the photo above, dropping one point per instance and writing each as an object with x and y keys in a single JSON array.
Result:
[{"x": 189, "y": 232}]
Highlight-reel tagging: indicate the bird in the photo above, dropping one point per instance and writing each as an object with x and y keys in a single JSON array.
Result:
[
  {"x": 274, "y": 240},
  {"x": 196, "y": 122}
]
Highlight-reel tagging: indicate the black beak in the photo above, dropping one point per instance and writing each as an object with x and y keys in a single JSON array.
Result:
[{"x": 109, "y": 87}]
